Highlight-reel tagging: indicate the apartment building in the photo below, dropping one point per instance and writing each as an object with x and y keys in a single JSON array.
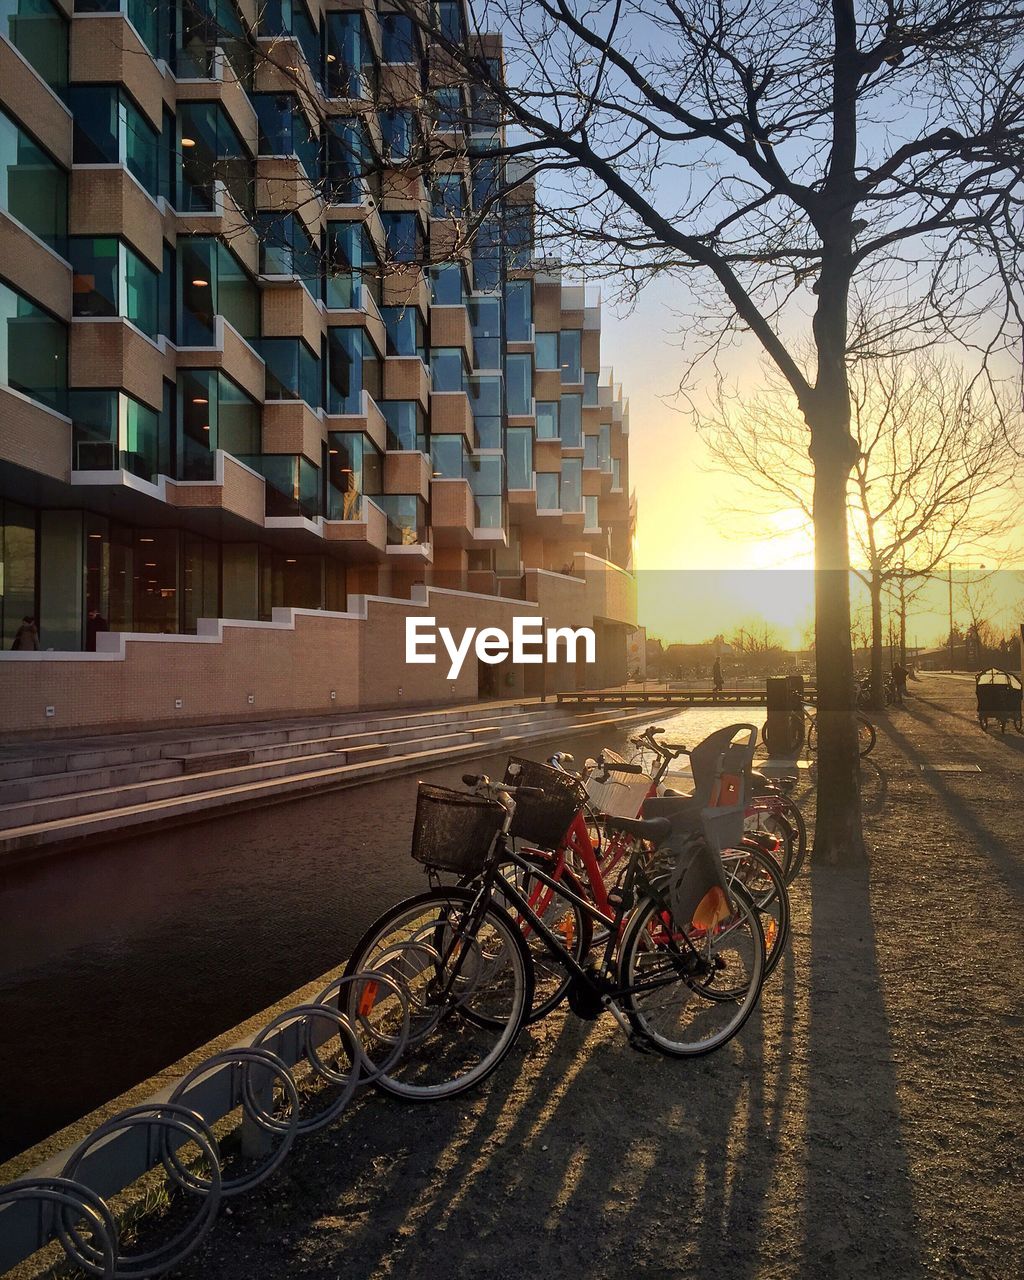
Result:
[{"x": 253, "y": 368}]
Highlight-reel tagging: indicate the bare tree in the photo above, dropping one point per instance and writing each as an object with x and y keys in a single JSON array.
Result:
[
  {"x": 936, "y": 471},
  {"x": 791, "y": 164}
]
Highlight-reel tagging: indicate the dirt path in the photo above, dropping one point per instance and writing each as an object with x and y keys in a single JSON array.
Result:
[{"x": 867, "y": 1121}]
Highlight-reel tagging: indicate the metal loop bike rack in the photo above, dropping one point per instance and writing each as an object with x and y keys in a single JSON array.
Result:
[
  {"x": 166, "y": 1118},
  {"x": 63, "y": 1195},
  {"x": 78, "y": 1211}
]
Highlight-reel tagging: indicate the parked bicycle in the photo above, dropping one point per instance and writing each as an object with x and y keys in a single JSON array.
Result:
[
  {"x": 681, "y": 969},
  {"x": 803, "y": 730}
]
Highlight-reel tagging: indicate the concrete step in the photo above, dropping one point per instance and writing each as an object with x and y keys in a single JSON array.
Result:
[
  {"x": 39, "y": 787},
  {"x": 238, "y": 788},
  {"x": 75, "y": 804},
  {"x": 37, "y": 759}
]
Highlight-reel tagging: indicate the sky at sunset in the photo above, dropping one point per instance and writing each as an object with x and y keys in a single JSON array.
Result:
[{"x": 702, "y": 567}]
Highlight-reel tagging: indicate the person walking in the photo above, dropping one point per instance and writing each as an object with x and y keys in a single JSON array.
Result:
[
  {"x": 27, "y": 635},
  {"x": 716, "y": 676},
  {"x": 95, "y": 623}
]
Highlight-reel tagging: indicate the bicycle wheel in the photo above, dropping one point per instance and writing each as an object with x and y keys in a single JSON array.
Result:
[
  {"x": 791, "y": 814},
  {"x": 812, "y": 734},
  {"x": 566, "y": 919},
  {"x": 682, "y": 1010},
  {"x": 469, "y": 979},
  {"x": 759, "y": 874},
  {"x": 866, "y": 736},
  {"x": 795, "y": 737}
]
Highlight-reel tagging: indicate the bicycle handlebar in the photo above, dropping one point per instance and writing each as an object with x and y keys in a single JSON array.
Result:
[
  {"x": 617, "y": 766},
  {"x": 481, "y": 780}
]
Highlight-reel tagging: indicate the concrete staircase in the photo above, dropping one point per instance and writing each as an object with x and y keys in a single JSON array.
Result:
[{"x": 53, "y": 794}]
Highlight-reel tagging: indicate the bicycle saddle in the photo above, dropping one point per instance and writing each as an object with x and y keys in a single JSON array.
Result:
[{"x": 654, "y": 829}]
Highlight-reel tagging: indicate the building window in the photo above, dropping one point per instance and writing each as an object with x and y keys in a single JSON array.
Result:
[
  {"x": 485, "y": 317},
  {"x": 33, "y": 188},
  {"x": 18, "y": 574},
  {"x": 591, "y": 519},
  {"x": 448, "y": 113},
  {"x": 519, "y": 384},
  {"x": 351, "y": 169},
  {"x": 33, "y": 350},
  {"x": 110, "y": 129},
  {"x": 448, "y": 458},
  {"x": 486, "y": 480},
  {"x": 110, "y": 279},
  {"x": 448, "y": 285},
  {"x": 547, "y": 419},
  {"x": 547, "y": 491},
  {"x": 351, "y": 68},
  {"x": 293, "y": 370},
  {"x": 518, "y": 236},
  {"x": 616, "y": 473},
  {"x": 519, "y": 313},
  {"x": 405, "y": 331},
  {"x": 354, "y": 469},
  {"x": 604, "y": 448},
  {"x": 39, "y": 31},
  {"x": 201, "y": 27},
  {"x": 590, "y": 452},
  {"x": 398, "y": 133},
  {"x": 112, "y": 431},
  {"x": 406, "y": 425},
  {"x": 211, "y": 152},
  {"x": 572, "y": 484},
  {"x": 447, "y": 369},
  {"x": 485, "y": 398},
  {"x": 570, "y": 421},
  {"x": 352, "y": 270},
  {"x": 399, "y": 37},
  {"x": 407, "y": 518},
  {"x": 569, "y": 355},
  {"x": 213, "y": 413},
  {"x": 448, "y": 18},
  {"x": 352, "y": 368},
  {"x": 287, "y": 249},
  {"x": 519, "y": 451},
  {"x": 404, "y": 236},
  {"x": 590, "y": 389},
  {"x": 292, "y": 484},
  {"x": 447, "y": 196},
  {"x": 546, "y": 348},
  {"x": 285, "y": 131},
  {"x": 212, "y": 282}
]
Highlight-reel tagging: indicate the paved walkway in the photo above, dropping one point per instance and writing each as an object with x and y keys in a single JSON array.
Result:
[{"x": 867, "y": 1121}]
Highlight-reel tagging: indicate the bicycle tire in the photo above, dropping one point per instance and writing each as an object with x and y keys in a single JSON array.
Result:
[
  {"x": 866, "y": 742},
  {"x": 491, "y": 965},
  {"x": 771, "y": 898},
  {"x": 796, "y": 737},
  {"x": 647, "y": 925},
  {"x": 551, "y": 979},
  {"x": 795, "y": 817}
]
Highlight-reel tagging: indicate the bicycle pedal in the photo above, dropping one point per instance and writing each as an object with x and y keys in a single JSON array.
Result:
[{"x": 640, "y": 1044}]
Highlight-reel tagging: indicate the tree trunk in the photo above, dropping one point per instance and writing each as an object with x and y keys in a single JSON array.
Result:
[
  {"x": 838, "y": 837},
  {"x": 875, "y": 589}
]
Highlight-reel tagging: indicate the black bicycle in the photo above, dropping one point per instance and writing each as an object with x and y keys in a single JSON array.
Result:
[{"x": 461, "y": 956}]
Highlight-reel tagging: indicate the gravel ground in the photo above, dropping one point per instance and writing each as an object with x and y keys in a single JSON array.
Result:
[{"x": 866, "y": 1122}]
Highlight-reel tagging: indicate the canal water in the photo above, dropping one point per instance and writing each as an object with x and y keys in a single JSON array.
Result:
[{"x": 116, "y": 961}]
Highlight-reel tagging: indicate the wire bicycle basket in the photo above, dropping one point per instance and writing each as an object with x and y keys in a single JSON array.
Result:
[
  {"x": 620, "y": 795},
  {"x": 454, "y": 830},
  {"x": 544, "y": 820}
]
